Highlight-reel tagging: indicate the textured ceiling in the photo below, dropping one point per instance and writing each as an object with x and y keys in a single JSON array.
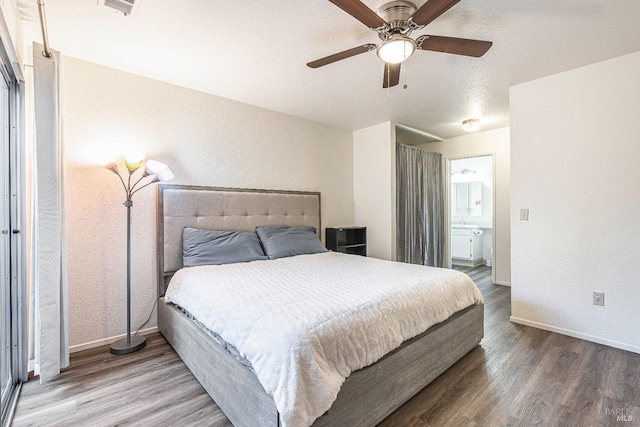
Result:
[{"x": 255, "y": 51}]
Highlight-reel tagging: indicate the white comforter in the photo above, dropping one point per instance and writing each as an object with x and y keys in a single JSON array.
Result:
[{"x": 306, "y": 322}]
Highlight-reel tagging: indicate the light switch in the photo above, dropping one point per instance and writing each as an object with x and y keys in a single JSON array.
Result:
[{"x": 524, "y": 214}]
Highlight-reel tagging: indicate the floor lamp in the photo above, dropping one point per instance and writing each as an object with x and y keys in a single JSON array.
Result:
[{"x": 158, "y": 172}]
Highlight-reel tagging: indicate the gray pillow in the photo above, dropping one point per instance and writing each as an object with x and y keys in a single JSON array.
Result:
[
  {"x": 207, "y": 247},
  {"x": 279, "y": 242}
]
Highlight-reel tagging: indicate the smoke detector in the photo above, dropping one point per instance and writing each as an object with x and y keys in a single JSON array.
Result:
[{"x": 126, "y": 7}]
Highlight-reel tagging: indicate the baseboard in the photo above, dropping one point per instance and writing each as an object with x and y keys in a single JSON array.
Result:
[
  {"x": 502, "y": 283},
  {"x": 107, "y": 341},
  {"x": 574, "y": 334}
]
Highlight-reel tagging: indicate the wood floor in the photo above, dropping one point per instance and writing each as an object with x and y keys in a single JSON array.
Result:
[{"x": 518, "y": 376}]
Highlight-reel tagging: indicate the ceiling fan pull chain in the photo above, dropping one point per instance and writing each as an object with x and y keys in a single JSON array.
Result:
[
  {"x": 404, "y": 86},
  {"x": 388, "y": 85}
]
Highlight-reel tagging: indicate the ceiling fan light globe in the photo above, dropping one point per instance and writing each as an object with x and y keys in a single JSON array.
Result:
[{"x": 396, "y": 50}]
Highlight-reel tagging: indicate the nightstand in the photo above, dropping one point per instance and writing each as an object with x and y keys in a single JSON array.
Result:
[{"x": 349, "y": 240}]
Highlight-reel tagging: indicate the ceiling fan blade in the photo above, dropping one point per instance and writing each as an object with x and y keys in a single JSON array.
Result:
[
  {"x": 361, "y": 12},
  {"x": 431, "y": 10},
  {"x": 341, "y": 55},
  {"x": 391, "y": 75},
  {"x": 467, "y": 47}
]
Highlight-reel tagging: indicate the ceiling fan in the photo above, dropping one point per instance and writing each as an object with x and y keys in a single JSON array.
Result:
[{"x": 394, "y": 22}]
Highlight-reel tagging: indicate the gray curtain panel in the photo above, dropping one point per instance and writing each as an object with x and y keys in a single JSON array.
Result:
[{"x": 420, "y": 206}]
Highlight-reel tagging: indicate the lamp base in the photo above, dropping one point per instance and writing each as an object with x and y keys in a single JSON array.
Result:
[{"x": 124, "y": 347}]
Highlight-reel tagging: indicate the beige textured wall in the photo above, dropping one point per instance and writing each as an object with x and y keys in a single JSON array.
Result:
[{"x": 206, "y": 140}]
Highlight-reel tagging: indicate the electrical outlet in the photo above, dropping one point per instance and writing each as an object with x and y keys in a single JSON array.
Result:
[
  {"x": 524, "y": 214},
  {"x": 598, "y": 298}
]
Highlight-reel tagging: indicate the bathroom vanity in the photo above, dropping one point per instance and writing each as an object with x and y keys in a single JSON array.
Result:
[{"x": 466, "y": 245}]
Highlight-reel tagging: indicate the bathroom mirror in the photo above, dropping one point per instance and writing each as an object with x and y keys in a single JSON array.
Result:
[{"x": 467, "y": 198}]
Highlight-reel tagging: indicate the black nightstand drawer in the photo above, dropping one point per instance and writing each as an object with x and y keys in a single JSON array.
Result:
[{"x": 349, "y": 240}]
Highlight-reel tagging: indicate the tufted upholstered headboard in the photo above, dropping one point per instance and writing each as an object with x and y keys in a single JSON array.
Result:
[{"x": 213, "y": 208}]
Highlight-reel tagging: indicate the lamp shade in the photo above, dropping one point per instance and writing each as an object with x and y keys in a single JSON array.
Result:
[
  {"x": 113, "y": 167},
  {"x": 133, "y": 161},
  {"x": 160, "y": 170},
  {"x": 396, "y": 50}
]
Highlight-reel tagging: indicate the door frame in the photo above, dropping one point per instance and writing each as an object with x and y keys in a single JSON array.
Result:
[{"x": 447, "y": 192}]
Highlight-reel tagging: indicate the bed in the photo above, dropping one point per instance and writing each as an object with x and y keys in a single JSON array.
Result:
[{"x": 368, "y": 395}]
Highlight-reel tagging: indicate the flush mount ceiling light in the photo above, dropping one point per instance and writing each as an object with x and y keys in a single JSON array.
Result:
[
  {"x": 471, "y": 125},
  {"x": 464, "y": 172},
  {"x": 396, "y": 50}
]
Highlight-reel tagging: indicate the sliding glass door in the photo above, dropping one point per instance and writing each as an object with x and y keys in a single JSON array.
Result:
[
  {"x": 6, "y": 378},
  {"x": 13, "y": 364}
]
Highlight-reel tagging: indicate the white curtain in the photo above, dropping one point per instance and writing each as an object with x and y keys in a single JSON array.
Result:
[{"x": 48, "y": 326}]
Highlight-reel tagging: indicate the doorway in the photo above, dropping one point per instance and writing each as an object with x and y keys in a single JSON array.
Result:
[{"x": 471, "y": 211}]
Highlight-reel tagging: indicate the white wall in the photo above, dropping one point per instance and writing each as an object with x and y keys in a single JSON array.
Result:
[
  {"x": 8, "y": 11},
  {"x": 575, "y": 164},
  {"x": 206, "y": 140},
  {"x": 496, "y": 142},
  {"x": 374, "y": 187}
]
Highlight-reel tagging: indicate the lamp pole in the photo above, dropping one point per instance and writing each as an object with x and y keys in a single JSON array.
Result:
[
  {"x": 158, "y": 172},
  {"x": 128, "y": 204},
  {"x": 128, "y": 344}
]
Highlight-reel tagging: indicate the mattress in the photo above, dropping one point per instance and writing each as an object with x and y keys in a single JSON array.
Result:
[
  {"x": 219, "y": 340},
  {"x": 306, "y": 322}
]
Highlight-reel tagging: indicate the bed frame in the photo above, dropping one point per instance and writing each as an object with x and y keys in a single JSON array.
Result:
[{"x": 368, "y": 395}]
